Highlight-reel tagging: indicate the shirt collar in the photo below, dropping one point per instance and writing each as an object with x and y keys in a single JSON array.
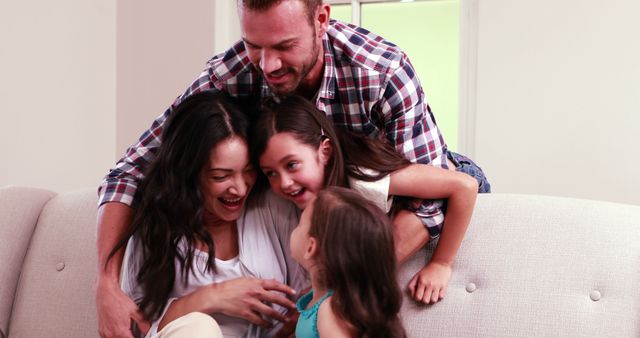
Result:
[{"x": 328, "y": 85}]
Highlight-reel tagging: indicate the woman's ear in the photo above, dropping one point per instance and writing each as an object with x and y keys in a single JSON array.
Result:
[
  {"x": 325, "y": 151},
  {"x": 312, "y": 247}
]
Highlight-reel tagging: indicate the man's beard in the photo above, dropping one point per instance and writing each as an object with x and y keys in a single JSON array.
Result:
[{"x": 298, "y": 76}]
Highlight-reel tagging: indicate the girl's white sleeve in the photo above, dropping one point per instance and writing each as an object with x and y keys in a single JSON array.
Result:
[{"x": 374, "y": 191}]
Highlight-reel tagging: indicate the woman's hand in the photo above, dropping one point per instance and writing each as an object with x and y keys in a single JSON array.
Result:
[
  {"x": 115, "y": 312},
  {"x": 429, "y": 285},
  {"x": 250, "y": 298},
  {"x": 245, "y": 297},
  {"x": 288, "y": 330}
]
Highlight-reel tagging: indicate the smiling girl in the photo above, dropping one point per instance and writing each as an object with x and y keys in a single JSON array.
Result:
[{"x": 301, "y": 153}]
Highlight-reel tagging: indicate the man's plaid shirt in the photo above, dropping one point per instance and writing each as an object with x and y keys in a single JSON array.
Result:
[{"x": 369, "y": 86}]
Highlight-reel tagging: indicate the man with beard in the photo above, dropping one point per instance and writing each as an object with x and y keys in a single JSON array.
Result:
[{"x": 360, "y": 80}]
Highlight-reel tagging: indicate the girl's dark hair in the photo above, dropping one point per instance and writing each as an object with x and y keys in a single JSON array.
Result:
[
  {"x": 169, "y": 201},
  {"x": 362, "y": 152},
  {"x": 351, "y": 152},
  {"x": 350, "y": 230}
]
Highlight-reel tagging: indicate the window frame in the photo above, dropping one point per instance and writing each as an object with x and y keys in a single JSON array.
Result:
[{"x": 356, "y": 9}]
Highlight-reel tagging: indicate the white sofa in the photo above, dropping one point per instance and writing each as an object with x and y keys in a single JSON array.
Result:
[{"x": 530, "y": 266}]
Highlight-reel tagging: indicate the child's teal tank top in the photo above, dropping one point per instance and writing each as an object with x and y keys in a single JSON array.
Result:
[{"x": 307, "y": 326}]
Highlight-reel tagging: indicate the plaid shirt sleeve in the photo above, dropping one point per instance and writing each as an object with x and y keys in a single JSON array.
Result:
[
  {"x": 121, "y": 183},
  {"x": 411, "y": 127}
]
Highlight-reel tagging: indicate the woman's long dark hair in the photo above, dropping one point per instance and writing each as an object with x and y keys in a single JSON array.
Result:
[
  {"x": 351, "y": 152},
  {"x": 169, "y": 202},
  {"x": 350, "y": 230}
]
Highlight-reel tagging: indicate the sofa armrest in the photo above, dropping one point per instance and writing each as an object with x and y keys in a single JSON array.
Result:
[
  {"x": 59, "y": 271},
  {"x": 20, "y": 209}
]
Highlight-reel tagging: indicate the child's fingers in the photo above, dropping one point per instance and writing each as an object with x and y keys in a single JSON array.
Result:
[
  {"x": 438, "y": 294},
  {"x": 435, "y": 296},
  {"x": 420, "y": 292},
  {"x": 412, "y": 287},
  {"x": 427, "y": 295},
  {"x": 443, "y": 291},
  {"x": 427, "y": 290}
]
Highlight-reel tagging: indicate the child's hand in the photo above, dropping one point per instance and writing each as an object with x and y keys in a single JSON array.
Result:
[{"x": 429, "y": 285}]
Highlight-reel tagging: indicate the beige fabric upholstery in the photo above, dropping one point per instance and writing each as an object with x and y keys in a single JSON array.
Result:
[
  {"x": 535, "y": 264},
  {"x": 19, "y": 211},
  {"x": 530, "y": 266},
  {"x": 55, "y": 294}
]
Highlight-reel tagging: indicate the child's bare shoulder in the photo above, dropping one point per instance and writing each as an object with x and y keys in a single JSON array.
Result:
[{"x": 329, "y": 324}]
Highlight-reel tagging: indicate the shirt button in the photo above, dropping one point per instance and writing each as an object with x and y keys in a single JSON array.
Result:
[
  {"x": 595, "y": 295},
  {"x": 470, "y": 287},
  {"x": 60, "y": 266}
]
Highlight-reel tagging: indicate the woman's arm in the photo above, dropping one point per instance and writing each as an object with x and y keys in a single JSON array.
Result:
[
  {"x": 242, "y": 298},
  {"x": 460, "y": 190}
]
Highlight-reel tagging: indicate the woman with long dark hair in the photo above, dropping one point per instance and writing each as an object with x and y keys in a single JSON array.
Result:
[{"x": 204, "y": 253}]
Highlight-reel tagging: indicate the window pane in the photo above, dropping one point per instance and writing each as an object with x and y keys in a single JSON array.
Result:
[
  {"x": 428, "y": 32},
  {"x": 341, "y": 12}
]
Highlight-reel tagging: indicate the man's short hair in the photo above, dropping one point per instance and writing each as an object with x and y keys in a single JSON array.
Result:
[{"x": 262, "y": 5}]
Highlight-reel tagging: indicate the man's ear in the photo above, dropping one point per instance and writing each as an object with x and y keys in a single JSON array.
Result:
[
  {"x": 325, "y": 151},
  {"x": 322, "y": 19},
  {"x": 312, "y": 247}
]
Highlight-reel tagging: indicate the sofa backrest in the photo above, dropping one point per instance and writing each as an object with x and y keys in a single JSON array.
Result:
[
  {"x": 55, "y": 296},
  {"x": 529, "y": 266},
  {"x": 539, "y": 266}
]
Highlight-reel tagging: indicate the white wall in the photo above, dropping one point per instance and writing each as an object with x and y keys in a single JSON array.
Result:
[
  {"x": 57, "y": 92},
  {"x": 557, "y": 97},
  {"x": 162, "y": 45},
  {"x": 552, "y": 89},
  {"x": 81, "y": 80}
]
